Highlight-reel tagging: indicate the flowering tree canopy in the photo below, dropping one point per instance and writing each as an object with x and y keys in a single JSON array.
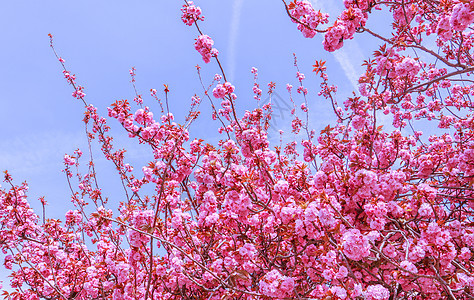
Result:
[{"x": 357, "y": 211}]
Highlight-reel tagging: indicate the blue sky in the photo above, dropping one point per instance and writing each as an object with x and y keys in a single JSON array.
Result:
[{"x": 102, "y": 40}]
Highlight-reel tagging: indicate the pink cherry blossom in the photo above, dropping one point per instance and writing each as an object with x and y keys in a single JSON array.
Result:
[
  {"x": 377, "y": 292},
  {"x": 461, "y": 17},
  {"x": 355, "y": 245},
  {"x": 191, "y": 13},
  {"x": 375, "y": 205},
  {"x": 204, "y": 45}
]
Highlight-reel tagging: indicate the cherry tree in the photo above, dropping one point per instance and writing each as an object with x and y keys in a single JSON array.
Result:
[{"x": 356, "y": 211}]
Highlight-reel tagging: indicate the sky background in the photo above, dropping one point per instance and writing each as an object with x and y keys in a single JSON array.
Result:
[{"x": 102, "y": 40}]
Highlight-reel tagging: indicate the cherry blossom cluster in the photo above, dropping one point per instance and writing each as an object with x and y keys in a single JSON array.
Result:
[
  {"x": 361, "y": 210},
  {"x": 204, "y": 45},
  {"x": 344, "y": 28},
  {"x": 256, "y": 87},
  {"x": 191, "y": 14},
  {"x": 303, "y": 13}
]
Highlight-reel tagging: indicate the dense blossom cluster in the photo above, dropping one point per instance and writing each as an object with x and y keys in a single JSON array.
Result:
[
  {"x": 462, "y": 16},
  {"x": 191, "y": 14},
  {"x": 204, "y": 45},
  {"x": 358, "y": 211},
  {"x": 222, "y": 90},
  {"x": 303, "y": 13},
  {"x": 344, "y": 28}
]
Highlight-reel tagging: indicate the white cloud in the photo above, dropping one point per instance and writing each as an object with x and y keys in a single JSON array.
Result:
[
  {"x": 234, "y": 32},
  {"x": 32, "y": 152}
]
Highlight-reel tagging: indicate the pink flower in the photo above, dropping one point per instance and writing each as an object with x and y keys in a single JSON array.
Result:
[
  {"x": 425, "y": 210},
  {"x": 308, "y": 18},
  {"x": 191, "y": 13},
  {"x": 8, "y": 262},
  {"x": 300, "y": 76},
  {"x": 409, "y": 266},
  {"x": 68, "y": 160},
  {"x": 390, "y": 251},
  {"x": 311, "y": 212},
  {"x": 339, "y": 292},
  {"x": 204, "y": 45},
  {"x": 334, "y": 37},
  {"x": 407, "y": 67},
  {"x": 344, "y": 28},
  {"x": 355, "y": 245},
  {"x": 212, "y": 219},
  {"x": 342, "y": 273},
  {"x": 357, "y": 291},
  {"x": 403, "y": 14},
  {"x": 465, "y": 254},
  {"x": 274, "y": 284},
  {"x": 417, "y": 252},
  {"x": 221, "y": 90},
  {"x": 443, "y": 30},
  {"x": 248, "y": 251},
  {"x": 461, "y": 17},
  {"x": 358, "y": 122},
  {"x": 426, "y": 166},
  {"x": 377, "y": 292},
  {"x": 360, "y": 4},
  {"x": 73, "y": 217}
]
